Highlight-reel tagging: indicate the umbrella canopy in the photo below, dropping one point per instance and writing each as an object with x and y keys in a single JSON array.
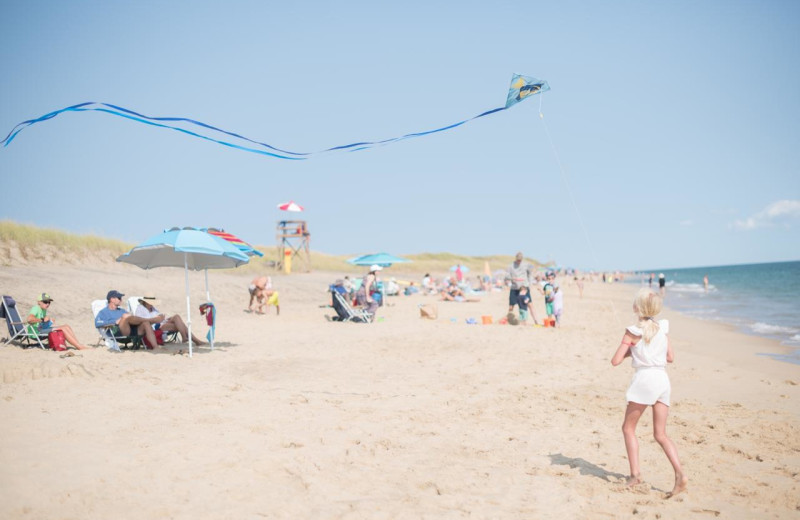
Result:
[
  {"x": 202, "y": 251},
  {"x": 464, "y": 269},
  {"x": 243, "y": 246},
  {"x": 290, "y": 206},
  {"x": 189, "y": 248},
  {"x": 381, "y": 259}
]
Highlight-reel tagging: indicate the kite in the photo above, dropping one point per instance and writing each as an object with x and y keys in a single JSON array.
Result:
[{"x": 522, "y": 87}]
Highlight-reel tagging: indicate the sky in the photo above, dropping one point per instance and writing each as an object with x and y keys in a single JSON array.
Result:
[{"x": 669, "y": 137}]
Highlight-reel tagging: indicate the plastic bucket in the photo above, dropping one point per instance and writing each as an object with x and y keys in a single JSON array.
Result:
[{"x": 486, "y": 320}]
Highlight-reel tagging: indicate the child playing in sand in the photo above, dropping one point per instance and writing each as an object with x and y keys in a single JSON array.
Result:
[
  {"x": 558, "y": 303},
  {"x": 525, "y": 306},
  {"x": 648, "y": 346}
]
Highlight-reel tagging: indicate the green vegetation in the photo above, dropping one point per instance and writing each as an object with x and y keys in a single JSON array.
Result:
[
  {"x": 30, "y": 240},
  {"x": 37, "y": 243}
]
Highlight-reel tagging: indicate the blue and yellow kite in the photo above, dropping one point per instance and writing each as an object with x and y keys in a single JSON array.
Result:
[{"x": 522, "y": 87}]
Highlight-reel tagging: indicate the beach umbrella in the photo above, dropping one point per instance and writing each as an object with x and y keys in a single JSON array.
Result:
[
  {"x": 290, "y": 206},
  {"x": 381, "y": 259},
  {"x": 189, "y": 248},
  {"x": 243, "y": 246}
]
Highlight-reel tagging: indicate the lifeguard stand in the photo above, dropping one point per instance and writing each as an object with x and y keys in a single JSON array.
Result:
[{"x": 293, "y": 246}]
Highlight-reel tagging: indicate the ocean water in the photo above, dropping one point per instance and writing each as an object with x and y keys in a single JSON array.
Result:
[{"x": 759, "y": 299}]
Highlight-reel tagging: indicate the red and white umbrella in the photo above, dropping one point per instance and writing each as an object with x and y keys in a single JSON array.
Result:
[{"x": 290, "y": 206}]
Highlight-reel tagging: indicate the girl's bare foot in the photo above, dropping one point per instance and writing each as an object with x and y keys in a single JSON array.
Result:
[
  {"x": 633, "y": 480},
  {"x": 83, "y": 347},
  {"x": 681, "y": 483}
]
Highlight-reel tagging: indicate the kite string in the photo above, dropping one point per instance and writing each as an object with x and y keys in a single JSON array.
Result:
[{"x": 565, "y": 178}]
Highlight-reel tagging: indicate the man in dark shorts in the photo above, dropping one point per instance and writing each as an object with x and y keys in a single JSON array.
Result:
[
  {"x": 519, "y": 275},
  {"x": 662, "y": 282}
]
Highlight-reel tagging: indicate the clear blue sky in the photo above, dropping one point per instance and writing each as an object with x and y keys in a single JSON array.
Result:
[{"x": 677, "y": 124}]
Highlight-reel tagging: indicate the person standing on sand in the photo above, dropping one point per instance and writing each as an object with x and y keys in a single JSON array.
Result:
[
  {"x": 365, "y": 295},
  {"x": 662, "y": 283},
  {"x": 648, "y": 346},
  {"x": 519, "y": 275},
  {"x": 558, "y": 303}
]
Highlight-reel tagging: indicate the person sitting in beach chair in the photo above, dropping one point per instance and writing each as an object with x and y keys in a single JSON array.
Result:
[
  {"x": 172, "y": 326},
  {"x": 116, "y": 324},
  {"x": 39, "y": 322},
  {"x": 17, "y": 328},
  {"x": 345, "y": 311}
]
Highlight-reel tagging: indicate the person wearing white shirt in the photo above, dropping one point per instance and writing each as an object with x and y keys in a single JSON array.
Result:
[{"x": 147, "y": 310}]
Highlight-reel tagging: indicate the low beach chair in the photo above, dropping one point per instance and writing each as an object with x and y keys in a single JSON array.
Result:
[
  {"x": 167, "y": 337},
  {"x": 17, "y": 327},
  {"x": 110, "y": 334},
  {"x": 346, "y": 312}
]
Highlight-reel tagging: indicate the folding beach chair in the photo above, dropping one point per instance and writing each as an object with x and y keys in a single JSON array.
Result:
[
  {"x": 17, "y": 327},
  {"x": 110, "y": 334},
  {"x": 346, "y": 312},
  {"x": 167, "y": 337}
]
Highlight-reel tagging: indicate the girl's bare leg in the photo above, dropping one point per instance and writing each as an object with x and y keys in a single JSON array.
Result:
[
  {"x": 69, "y": 335},
  {"x": 632, "y": 415},
  {"x": 660, "y": 413}
]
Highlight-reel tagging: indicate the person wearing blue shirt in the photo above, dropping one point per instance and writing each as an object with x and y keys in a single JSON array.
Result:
[{"x": 126, "y": 322}]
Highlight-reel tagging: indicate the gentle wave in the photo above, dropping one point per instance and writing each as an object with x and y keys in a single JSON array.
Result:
[
  {"x": 766, "y": 328},
  {"x": 694, "y": 288}
]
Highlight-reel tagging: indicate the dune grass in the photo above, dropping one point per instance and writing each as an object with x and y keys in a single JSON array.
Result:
[
  {"x": 29, "y": 239},
  {"x": 419, "y": 263},
  {"x": 32, "y": 242}
]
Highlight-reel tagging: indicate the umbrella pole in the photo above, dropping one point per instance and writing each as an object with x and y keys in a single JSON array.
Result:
[
  {"x": 208, "y": 299},
  {"x": 188, "y": 304}
]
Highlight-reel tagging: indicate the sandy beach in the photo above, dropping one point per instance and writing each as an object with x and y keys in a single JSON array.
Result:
[{"x": 293, "y": 416}]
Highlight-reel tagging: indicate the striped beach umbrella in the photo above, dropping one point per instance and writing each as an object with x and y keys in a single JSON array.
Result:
[
  {"x": 243, "y": 246},
  {"x": 290, "y": 206}
]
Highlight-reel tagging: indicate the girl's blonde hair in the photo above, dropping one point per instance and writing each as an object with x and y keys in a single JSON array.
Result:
[{"x": 647, "y": 305}]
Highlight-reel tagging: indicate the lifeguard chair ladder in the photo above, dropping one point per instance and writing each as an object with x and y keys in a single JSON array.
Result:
[{"x": 293, "y": 240}]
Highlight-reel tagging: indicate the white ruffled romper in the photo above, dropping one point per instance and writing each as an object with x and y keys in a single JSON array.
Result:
[{"x": 650, "y": 383}]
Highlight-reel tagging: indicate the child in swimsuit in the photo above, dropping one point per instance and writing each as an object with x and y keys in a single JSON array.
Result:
[{"x": 648, "y": 346}]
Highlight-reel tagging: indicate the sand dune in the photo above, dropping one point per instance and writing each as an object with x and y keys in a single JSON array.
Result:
[{"x": 297, "y": 417}]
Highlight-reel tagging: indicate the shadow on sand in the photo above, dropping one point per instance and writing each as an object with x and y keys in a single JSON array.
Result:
[{"x": 586, "y": 467}]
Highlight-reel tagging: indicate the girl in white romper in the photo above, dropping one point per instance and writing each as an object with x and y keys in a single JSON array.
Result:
[{"x": 648, "y": 346}]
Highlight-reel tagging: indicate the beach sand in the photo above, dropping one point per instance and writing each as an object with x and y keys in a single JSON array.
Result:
[{"x": 293, "y": 416}]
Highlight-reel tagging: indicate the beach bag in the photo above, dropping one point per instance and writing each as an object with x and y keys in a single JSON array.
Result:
[
  {"x": 57, "y": 340},
  {"x": 428, "y": 311},
  {"x": 159, "y": 338}
]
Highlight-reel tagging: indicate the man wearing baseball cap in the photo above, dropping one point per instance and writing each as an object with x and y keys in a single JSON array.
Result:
[
  {"x": 124, "y": 321},
  {"x": 39, "y": 322}
]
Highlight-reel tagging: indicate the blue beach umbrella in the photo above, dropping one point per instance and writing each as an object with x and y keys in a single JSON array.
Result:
[
  {"x": 189, "y": 248},
  {"x": 381, "y": 259}
]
